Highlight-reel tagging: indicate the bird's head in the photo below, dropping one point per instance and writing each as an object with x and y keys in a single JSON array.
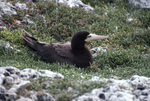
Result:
[{"x": 81, "y": 37}]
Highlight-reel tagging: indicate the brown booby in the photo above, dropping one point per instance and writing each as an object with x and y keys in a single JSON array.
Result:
[{"x": 75, "y": 53}]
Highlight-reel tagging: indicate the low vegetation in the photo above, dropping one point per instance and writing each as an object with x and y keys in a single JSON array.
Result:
[{"x": 128, "y": 45}]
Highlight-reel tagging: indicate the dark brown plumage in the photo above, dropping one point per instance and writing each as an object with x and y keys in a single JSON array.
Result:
[{"x": 76, "y": 53}]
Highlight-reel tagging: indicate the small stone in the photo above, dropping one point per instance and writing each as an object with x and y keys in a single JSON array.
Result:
[
  {"x": 70, "y": 89},
  {"x": 130, "y": 19}
]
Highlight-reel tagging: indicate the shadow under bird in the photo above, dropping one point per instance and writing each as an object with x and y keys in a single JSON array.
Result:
[{"x": 75, "y": 53}]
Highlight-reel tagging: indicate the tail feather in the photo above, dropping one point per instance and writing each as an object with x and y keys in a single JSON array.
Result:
[{"x": 30, "y": 40}]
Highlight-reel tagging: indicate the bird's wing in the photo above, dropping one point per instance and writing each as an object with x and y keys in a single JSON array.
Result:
[{"x": 63, "y": 50}]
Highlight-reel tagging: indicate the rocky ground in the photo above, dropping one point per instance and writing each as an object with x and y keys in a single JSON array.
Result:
[
  {"x": 137, "y": 88},
  {"x": 12, "y": 79}
]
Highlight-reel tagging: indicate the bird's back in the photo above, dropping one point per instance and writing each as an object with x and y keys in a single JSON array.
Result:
[{"x": 56, "y": 52}]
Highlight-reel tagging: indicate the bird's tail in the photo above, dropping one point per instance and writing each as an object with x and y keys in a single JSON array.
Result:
[{"x": 30, "y": 40}]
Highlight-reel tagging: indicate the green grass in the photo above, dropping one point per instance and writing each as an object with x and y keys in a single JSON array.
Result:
[{"x": 129, "y": 44}]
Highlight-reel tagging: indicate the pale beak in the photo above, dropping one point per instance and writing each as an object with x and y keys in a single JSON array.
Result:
[{"x": 95, "y": 37}]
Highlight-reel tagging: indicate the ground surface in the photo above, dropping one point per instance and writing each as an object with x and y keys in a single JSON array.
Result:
[{"x": 128, "y": 29}]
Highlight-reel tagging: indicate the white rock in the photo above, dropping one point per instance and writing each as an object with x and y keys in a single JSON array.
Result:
[
  {"x": 24, "y": 99},
  {"x": 70, "y": 89},
  {"x": 113, "y": 88},
  {"x": 33, "y": 95},
  {"x": 19, "y": 78},
  {"x": 130, "y": 19},
  {"x": 97, "y": 91},
  {"x": 47, "y": 73},
  {"x": 98, "y": 50},
  {"x": 29, "y": 73},
  {"x": 2, "y": 89},
  {"x": 21, "y": 6},
  {"x": 87, "y": 98},
  {"x": 95, "y": 78},
  {"x": 15, "y": 87},
  {"x": 47, "y": 97},
  {"x": 18, "y": 22},
  {"x": 140, "y": 3},
  {"x": 140, "y": 82},
  {"x": 116, "y": 28},
  {"x": 1, "y": 78},
  {"x": 7, "y": 8},
  {"x": 120, "y": 90},
  {"x": 10, "y": 97},
  {"x": 3, "y": 27},
  {"x": 8, "y": 46},
  {"x": 8, "y": 80},
  {"x": 76, "y": 3},
  {"x": 10, "y": 69},
  {"x": 121, "y": 83},
  {"x": 12, "y": 90},
  {"x": 122, "y": 96}
]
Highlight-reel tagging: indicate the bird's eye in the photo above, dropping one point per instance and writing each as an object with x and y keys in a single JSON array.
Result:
[{"x": 88, "y": 36}]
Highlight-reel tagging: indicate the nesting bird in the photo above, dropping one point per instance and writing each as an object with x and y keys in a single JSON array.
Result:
[{"x": 75, "y": 53}]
